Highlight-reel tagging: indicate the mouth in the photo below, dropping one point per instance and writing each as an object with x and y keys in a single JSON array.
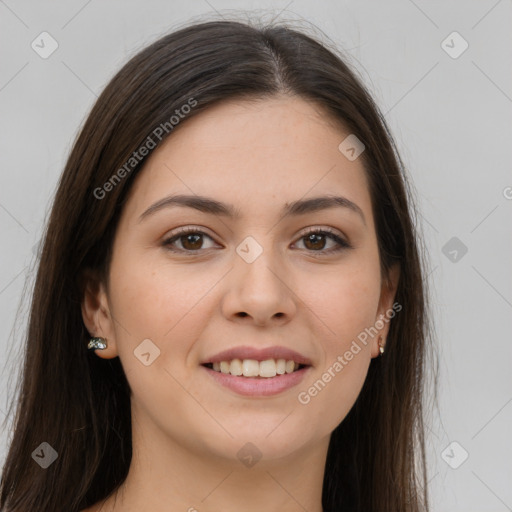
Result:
[
  {"x": 254, "y": 369},
  {"x": 253, "y": 378},
  {"x": 257, "y": 372}
]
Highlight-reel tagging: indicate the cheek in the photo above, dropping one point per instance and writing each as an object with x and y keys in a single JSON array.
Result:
[
  {"x": 345, "y": 300},
  {"x": 155, "y": 300},
  {"x": 156, "y": 311},
  {"x": 346, "y": 304},
  {"x": 152, "y": 296}
]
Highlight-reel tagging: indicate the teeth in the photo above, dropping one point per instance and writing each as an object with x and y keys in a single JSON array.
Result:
[
  {"x": 236, "y": 367},
  {"x": 250, "y": 368},
  {"x": 253, "y": 368},
  {"x": 290, "y": 366},
  {"x": 268, "y": 368}
]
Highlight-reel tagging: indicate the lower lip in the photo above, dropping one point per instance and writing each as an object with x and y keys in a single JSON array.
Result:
[{"x": 258, "y": 386}]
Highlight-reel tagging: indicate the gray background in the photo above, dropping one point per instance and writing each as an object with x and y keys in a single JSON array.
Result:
[{"x": 451, "y": 118}]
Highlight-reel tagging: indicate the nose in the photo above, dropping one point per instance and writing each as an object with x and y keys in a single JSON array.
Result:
[{"x": 259, "y": 292}]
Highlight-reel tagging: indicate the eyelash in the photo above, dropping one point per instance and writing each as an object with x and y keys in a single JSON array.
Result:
[{"x": 342, "y": 244}]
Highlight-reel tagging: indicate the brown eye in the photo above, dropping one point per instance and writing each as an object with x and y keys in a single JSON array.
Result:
[
  {"x": 190, "y": 240},
  {"x": 315, "y": 241}
]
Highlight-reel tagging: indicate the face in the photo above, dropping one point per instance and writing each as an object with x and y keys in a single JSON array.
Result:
[{"x": 271, "y": 275}]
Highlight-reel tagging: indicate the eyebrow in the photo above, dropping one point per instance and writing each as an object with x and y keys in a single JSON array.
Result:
[{"x": 212, "y": 206}]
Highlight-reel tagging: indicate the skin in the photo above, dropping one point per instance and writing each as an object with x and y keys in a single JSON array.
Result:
[{"x": 187, "y": 429}]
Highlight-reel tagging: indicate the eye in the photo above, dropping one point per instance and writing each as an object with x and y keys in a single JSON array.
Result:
[
  {"x": 315, "y": 240},
  {"x": 190, "y": 239}
]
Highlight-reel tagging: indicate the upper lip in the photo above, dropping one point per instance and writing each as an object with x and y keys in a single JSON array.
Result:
[{"x": 259, "y": 354}]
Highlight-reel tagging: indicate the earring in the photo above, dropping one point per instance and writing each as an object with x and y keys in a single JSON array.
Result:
[
  {"x": 381, "y": 347},
  {"x": 100, "y": 343}
]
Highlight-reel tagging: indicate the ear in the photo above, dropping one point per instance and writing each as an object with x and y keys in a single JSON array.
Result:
[
  {"x": 385, "y": 311},
  {"x": 96, "y": 312}
]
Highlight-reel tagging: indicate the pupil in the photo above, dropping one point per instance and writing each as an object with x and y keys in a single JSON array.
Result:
[
  {"x": 315, "y": 239},
  {"x": 188, "y": 238}
]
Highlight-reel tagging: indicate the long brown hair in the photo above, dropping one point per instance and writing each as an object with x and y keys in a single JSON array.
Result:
[{"x": 80, "y": 404}]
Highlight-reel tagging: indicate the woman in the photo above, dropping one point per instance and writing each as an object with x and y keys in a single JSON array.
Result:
[{"x": 229, "y": 311}]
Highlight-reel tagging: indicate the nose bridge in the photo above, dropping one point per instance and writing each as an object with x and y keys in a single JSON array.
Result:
[
  {"x": 258, "y": 286},
  {"x": 255, "y": 270}
]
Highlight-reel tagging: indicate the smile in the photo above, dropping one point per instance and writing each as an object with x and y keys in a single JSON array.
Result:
[
  {"x": 253, "y": 368},
  {"x": 257, "y": 385}
]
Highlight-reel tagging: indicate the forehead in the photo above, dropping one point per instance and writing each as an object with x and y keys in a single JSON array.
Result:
[{"x": 253, "y": 154}]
